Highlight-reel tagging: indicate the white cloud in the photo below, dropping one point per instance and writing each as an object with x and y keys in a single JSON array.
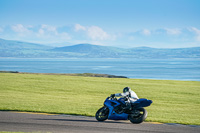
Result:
[
  {"x": 49, "y": 28},
  {"x": 43, "y": 33},
  {"x": 173, "y": 31},
  {"x": 79, "y": 27},
  {"x": 197, "y": 32},
  {"x": 94, "y": 32},
  {"x": 146, "y": 32},
  {"x": 46, "y": 30},
  {"x": 20, "y": 29},
  {"x": 97, "y": 33},
  {"x": 51, "y": 32}
]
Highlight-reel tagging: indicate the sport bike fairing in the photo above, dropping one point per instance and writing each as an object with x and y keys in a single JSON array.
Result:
[
  {"x": 112, "y": 103},
  {"x": 112, "y": 114}
]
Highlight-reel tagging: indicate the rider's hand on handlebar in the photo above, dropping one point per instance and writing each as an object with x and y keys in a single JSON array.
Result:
[{"x": 112, "y": 95}]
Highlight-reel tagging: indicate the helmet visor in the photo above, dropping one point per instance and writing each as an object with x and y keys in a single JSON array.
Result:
[{"x": 126, "y": 90}]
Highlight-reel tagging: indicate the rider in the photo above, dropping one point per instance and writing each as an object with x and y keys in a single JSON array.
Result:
[{"x": 132, "y": 96}]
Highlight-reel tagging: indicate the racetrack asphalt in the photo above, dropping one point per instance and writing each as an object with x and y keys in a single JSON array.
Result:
[{"x": 52, "y": 123}]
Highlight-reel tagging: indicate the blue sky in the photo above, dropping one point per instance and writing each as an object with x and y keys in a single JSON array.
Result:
[{"x": 120, "y": 23}]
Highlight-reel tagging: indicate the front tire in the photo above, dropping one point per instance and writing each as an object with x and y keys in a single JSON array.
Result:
[
  {"x": 138, "y": 116},
  {"x": 102, "y": 114}
]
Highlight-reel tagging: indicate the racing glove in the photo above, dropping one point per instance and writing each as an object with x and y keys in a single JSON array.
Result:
[{"x": 112, "y": 95}]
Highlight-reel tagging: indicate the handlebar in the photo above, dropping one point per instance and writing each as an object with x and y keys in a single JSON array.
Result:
[{"x": 114, "y": 98}]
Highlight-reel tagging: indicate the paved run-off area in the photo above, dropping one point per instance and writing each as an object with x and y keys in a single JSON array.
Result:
[{"x": 39, "y": 122}]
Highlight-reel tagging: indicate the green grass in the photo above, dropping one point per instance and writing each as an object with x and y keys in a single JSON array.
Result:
[{"x": 173, "y": 101}]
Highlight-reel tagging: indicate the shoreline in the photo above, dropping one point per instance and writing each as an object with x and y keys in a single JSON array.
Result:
[
  {"x": 91, "y": 75},
  {"x": 71, "y": 74}
]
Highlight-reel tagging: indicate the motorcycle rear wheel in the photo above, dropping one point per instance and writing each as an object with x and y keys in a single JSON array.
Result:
[
  {"x": 102, "y": 114},
  {"x": 138, "y": 116}
]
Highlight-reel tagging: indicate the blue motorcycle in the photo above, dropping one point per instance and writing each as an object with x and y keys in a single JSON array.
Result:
[{"x": 116, "y": 109}]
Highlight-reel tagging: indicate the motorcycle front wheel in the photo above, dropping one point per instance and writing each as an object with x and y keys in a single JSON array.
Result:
[
  {"x": 102, "y": 114},
  {"x": 138, "y": 116}
]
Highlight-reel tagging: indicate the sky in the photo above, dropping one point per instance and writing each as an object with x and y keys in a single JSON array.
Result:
[{"x": 118, "y": 23}]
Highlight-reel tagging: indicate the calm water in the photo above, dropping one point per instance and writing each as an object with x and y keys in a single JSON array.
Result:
[{"x": 172, "y": 69}]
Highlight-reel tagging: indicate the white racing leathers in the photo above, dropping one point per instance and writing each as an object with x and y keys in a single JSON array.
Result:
[{"x": 131, "y": 94}]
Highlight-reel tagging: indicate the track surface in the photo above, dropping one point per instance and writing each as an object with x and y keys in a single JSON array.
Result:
[{"x": 27, "y": 122}]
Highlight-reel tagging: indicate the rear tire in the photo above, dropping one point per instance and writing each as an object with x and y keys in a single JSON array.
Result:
[
  {"x": 138, "y": 116},
  {"x": 102, "y": 114}
]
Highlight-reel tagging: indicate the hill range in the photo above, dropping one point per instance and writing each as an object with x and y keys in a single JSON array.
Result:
[{"x": 18, "y": 49}]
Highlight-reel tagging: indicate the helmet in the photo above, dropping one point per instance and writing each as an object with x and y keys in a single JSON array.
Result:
[{"x": 126, "y": 89}]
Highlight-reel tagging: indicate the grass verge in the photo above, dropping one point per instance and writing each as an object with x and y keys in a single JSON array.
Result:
[{"x": 173, "y": 101}]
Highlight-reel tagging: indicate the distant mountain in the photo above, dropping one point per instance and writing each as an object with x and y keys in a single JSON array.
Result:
[
  {"x": 10, "y": 48},
  {"x": 31, "y": 50},
  {"x": 80, "y": 48},
  {"x": 10, "y": 44},
  {"x": 89, "y": 50}
]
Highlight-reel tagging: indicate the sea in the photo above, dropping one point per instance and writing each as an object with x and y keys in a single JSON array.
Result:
[{"x": 162, "y": 69}]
